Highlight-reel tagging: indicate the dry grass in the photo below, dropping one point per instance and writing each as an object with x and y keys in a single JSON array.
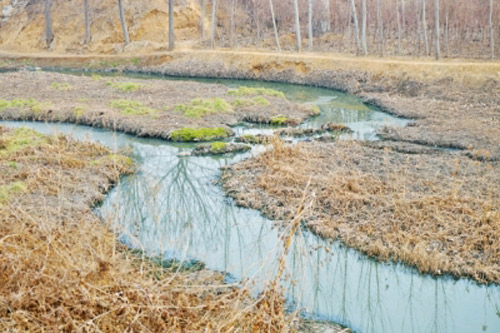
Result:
[
  {"x": 61, "y": 269},
  {"x": 438, "y": 211}
]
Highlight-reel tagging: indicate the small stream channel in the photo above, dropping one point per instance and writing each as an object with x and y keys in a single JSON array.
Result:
[{"x": 173, "y": 208}]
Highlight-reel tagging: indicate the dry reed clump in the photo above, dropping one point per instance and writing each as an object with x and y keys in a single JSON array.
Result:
[
  {"x": 61, "y": 269},
  {"x": 439, "y": 212}
]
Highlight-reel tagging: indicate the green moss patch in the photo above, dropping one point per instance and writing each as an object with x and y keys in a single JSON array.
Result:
[
  {"x": 61, "y": 86},
  {"x": 279, "y": 120},
  {"x": 247, "y": 91},
  {"x": 199, "y": 134},
  {"x": 126, "y": 86},
  {"x": 258, "y": 100},
  {"x": 79, "y": 111},
  {"x": 132, "y": 108},
  {"x": 200, "y": 107},
  {"x": 7, "y": 191},
  {"x": 25, "y": 104},
  {"x": 19, "y": 139},
  {"x": 218, "y": 146}
]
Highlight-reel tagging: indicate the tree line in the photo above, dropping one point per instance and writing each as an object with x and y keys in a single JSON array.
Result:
[{"x": 416, "y": 27}]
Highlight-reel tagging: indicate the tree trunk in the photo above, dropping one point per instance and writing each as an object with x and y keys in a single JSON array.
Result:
[
  {"x": 310, "y": 27},
  {"x": 424, "y": 27},
  {"x": 232, "y": 24},
  {"x": 276, "y": 36},
  {"x": 363, "y": 27},
  {"x": 380, "y": 29},
  {"x": 203, "y": 15},
  {"x": 398, "y": 17},
  {"x": 437, "y": 32},
  {"x": 213, "y": 24},
  {"x": 297, "y": 25},
  {"x": 124, "y": 24},
  {"x": 171, "y": 32},
  {"x": 328, "y": 15},
  {"x": 492, "y": 36},
  {"x": 403, "y": 15},
  {"x": 447, "y": 30},
  {"x": 356, "y": 26},
  {"x": 49, "y": 36},
  {"x": 86, "y": 39}
]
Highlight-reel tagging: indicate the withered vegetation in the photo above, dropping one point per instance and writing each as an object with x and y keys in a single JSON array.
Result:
[
  {"x": 438, "y": 211},
  {"x": 62, "y": 269}
]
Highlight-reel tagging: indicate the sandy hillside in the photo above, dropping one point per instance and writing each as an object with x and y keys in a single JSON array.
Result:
[{"x": 22, "y": 25}]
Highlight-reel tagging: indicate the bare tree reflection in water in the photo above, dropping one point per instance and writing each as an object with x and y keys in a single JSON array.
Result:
[{"x": 172, "y": 208}]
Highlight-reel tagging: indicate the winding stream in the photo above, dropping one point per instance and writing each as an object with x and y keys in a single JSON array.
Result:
[{"x": 172, "y": 207}]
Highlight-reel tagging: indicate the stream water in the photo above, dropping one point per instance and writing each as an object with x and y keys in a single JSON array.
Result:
[{"x": 172, "y": 207}]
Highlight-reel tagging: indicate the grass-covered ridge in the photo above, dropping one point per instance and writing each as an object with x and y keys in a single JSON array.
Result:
[
  {"x": 200, "y": 107},
  {"x": 132, "y": 108},
  {"x": 188, "y": 134},
  {"x": 247, "y": 91}
]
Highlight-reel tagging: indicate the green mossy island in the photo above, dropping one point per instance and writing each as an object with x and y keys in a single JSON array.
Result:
[
  {"x": 188, "y": 134},
  {"x": 220, "y": 148},
  {"x": 200, "y": 107},
  {"x": 133, "y": 108},
  {"x": 247, "y": 91}
]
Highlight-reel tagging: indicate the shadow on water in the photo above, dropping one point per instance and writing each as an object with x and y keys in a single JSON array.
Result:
[{"x": 172, "y": 207}]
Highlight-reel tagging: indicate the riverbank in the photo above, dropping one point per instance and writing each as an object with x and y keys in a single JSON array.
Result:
[
  {"x": 433, "y": 210},
  {"x": 61, "y": 268},
  {"x": 172, "y": 110},
  {"x": 454, "y": 102}
]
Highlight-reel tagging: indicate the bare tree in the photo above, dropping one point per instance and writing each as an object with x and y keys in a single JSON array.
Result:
[
  {"x": 49, "y": 36},
  {"x": 271, "y": 6},
  {"x": 231, "y": 23},
  {"x": 424, "y": 27},
  {"x": 213, "y": 24},
  {"x": 356, "y": 26},
  {"x": 328, "y": 15},
  {"x": 380, "y": 29},
  {"x": 86, "y": 39},
  {"x": 203, "y": 15},
  {"x": 436, "y": 23},
  {"x": 492, "y": 36},
  {"x": 398, "y": 17},
  {"x": 124, "y": 23},
  {"x": 171, "y": 32},
  {"x": 297, "y": 25},
  {"x": 310, "y": 27},
  {"x": 363, "y": 27}
]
